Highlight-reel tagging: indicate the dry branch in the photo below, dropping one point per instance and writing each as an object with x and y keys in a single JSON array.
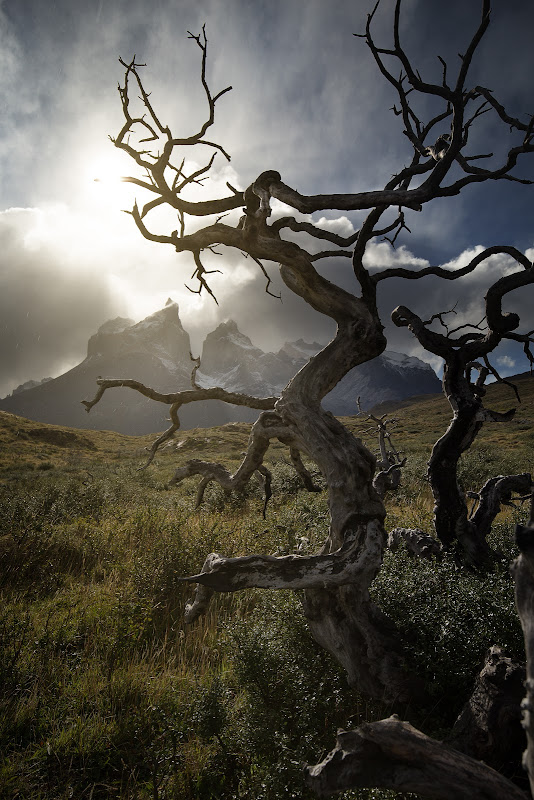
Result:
[
  {"x": 293, "y": 571},
  {"x": 180, "y": 398}
]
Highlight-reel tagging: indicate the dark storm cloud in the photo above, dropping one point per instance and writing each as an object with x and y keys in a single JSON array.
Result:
[
  {"x": 307, "y": 100},
  {"x": 47, "y": 310}
]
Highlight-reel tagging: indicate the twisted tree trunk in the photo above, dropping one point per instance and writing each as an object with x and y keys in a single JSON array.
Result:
[
  {"x": 523, "y": 571},
  {"x": 336, "y": 600},
  {"x": 465, "y": 395}
]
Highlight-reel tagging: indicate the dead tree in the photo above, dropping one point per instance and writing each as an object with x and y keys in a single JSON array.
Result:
[
  {"x": 390, "y": 464},
  {"x": 336, "y": 580},
  {"x": 464, "y": 355}
]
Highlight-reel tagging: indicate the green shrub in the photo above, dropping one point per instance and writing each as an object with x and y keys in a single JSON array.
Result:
[{"x": 448, "y": 617}]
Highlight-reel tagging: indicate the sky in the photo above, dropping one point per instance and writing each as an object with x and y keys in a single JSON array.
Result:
[{"x": 307, "y": 100}]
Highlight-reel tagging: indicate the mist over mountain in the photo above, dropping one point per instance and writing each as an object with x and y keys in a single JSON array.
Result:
[{"x": 156, "y": 351}]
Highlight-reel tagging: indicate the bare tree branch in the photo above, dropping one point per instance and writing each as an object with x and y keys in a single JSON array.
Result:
[
  {"x": 180, "y": 398},
  {"x": 454, "y": 274}
]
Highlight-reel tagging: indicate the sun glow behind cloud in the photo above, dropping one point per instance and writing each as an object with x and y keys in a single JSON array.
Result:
[
  {"x": 323, "y": 130},
  {"x": 103, "y": 180}
]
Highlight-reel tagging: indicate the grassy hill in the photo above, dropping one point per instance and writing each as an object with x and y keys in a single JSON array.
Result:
[
  {"x": 418, "y": 423},
  {"x": 105, "y": 693}
]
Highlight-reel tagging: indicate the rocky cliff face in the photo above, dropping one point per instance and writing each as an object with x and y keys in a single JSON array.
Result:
[
  {"x": 390, "y": 377},
  {"x": 229, "y": 359},
  {"x": 156, "y": 351},
  {"x": 161, "y": 334}
]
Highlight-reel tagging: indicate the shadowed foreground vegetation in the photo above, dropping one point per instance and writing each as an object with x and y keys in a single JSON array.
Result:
[{"x": 103, "y": 690}]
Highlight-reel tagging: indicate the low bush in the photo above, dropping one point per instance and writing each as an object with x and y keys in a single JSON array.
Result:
[{"x": 105, "y": 693}]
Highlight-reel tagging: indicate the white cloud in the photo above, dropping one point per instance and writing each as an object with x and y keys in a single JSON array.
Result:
[
  {"x": 383, "y": 256},
  {"x": 506, "y": 361},
  {"x": 307, "y": 100}
]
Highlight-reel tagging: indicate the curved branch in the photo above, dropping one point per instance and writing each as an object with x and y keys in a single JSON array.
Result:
[
  {"x": 293, "y": 571},
  {"x": 301, "y": 470},
  {"x": 181, "y": 398},
  {"x": 497, "y": 491},
  {"x": 166, "y": 436},
  {"x": 313, "y": 230},
  {"x": 412, "y": 198},
  {"x": 497, "y": 321},
  {"x": 454, "y": 274},
  {"x": 513, "y": 122},
  {"x": 176, "y": 400},
  {"x": 268, "y": 426}
]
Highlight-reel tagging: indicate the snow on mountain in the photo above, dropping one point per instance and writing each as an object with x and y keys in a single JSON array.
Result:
[
  {"x": 229, "y": 359},
  {"x": 401, "y": 361},
  {"x": 301, "y": 350},
  {"x": 161, "y": 335},
  {"x": 156, "y": 351},
  {"x": 390, "y": 377},
  {"x": 29, "y": 385}
]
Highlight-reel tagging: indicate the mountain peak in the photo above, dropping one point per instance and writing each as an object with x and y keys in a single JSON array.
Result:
[
  {"x": 301, "y": 350},
  {"x": 166, "y": 315},
  {"x": 228, "y": 326},
  {"x": 226, "y": 349},
  {"x": 156, "y": 352},
  {"x": 160, "y": 333},
  {"x": 116, "y": 325}
]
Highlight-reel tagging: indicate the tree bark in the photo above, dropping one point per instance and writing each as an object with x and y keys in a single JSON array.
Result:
[
  {"x": 523, "y": 571},
  {"x": 391, "y": 754},
  {"x": 489, "y": 726}
]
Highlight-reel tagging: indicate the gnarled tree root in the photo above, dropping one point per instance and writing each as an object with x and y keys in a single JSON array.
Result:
[
  {"x": 268, "y": 426},
  {"x": 417, "y": 542},
  {"x": 391, "y": 754}
]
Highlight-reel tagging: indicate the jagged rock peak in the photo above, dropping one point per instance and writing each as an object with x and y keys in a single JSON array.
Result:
[
  {"x": 166, "y": 315},
  {"x": 225, "y": 347},
  {"x": 227, "y": 332},
  {"x": 31, "y": 384},
  {"x": 301, "y": 349},
  {"x": 161, "y": 333},
  {"x": 223, "y": 328},
  {"x": 116, "y": 325}
]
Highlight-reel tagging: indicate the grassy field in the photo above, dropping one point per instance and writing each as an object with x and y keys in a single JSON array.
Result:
[{"x": 105, "y": 693}]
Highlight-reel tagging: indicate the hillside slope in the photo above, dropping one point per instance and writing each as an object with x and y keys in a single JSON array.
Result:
[{"x": 419, "y": 422}]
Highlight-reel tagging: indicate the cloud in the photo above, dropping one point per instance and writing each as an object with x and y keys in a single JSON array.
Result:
[
  {"x": 307, "y": 100},
  {"x": 382, "y": 255},
  {"x": 46, "y": 307},
  {"x": 506, "y": 361}
]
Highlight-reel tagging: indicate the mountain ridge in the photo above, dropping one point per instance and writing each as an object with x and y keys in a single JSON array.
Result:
[
  {"x": 419, "y": 422},
  {"x": 157, "y": 352}
]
